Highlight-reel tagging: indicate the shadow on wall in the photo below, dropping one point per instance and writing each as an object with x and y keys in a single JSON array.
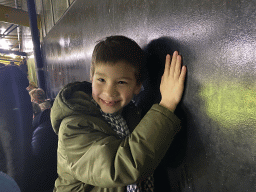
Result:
[{"x": 173, "y": 172}]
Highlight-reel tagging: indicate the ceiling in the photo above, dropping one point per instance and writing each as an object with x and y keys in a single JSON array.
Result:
[{"x": 11, "y": 34}]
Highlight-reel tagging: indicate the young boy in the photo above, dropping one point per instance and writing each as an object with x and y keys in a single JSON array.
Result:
[{"x": 103, "y": 145}]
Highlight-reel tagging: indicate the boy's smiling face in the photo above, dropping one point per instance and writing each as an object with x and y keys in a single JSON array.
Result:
[{"x": 114, "y": 85}]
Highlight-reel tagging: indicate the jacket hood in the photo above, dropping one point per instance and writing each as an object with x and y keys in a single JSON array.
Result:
[{"x": 73, "y": 99}]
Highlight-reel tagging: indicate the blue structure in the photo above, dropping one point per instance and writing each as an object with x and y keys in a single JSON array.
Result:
[{"x": 36, "y": 43}]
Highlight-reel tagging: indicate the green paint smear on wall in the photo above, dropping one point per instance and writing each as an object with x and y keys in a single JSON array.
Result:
[{"x": 230, "y": 104}]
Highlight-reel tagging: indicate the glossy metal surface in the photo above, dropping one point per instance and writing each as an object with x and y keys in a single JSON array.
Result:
[{"x": 216, "y": 150}]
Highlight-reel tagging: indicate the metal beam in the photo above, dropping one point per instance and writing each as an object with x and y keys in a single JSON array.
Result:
[
  {"x": 8, "y": 60},
  {"x": 8, "y": 31},
  {"x": 15, "y": 45},
  {"x": 5, "y": 59},
  {"x": 5, "y": 51},
  {"x": 10, "y": 37},
  {"x": 16, "y": 16}
]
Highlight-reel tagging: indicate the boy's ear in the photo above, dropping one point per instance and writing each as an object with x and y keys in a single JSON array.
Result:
[{"x": 137, "y": 89}]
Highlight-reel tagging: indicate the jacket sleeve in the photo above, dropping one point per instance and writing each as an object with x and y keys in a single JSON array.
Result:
[{"x": 99, "y": 159}]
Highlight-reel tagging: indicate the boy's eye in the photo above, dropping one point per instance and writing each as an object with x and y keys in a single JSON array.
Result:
[
  {"x": 101, "y": 80},
  {"x": 122, "y": 82}
]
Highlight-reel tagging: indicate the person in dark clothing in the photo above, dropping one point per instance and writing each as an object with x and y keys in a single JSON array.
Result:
[
  {"x": 38, "y": 96},
  {"x": 36, "y": 110},
  {"x": 15, "y": 125},
  {"x": 44, "y": 150}
]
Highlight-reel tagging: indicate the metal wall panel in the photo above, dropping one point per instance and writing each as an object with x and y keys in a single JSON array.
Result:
[
  {"x": 59, "y": 7},
  {"x": 216, "y": 149},
  {"x": 47, "y": 15}
]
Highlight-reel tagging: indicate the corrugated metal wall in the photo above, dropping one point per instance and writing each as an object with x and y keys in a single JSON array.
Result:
[{"x": 216, "y": 150}]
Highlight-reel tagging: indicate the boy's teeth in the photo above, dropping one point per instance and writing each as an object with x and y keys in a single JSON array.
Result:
[{"x": 109, "y": 102}]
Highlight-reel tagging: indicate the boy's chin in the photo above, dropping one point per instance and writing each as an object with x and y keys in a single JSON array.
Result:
[{"x": 111, "y": 111}]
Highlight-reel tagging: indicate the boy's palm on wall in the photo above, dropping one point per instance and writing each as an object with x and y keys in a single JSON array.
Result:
[{"x": 172, "y": 84}]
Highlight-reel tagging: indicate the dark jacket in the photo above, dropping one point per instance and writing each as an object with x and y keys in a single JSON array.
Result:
[
  {"x": 15, "y": 125},
  {"x": 44, "y": 150},
  {"x": 91, "y": 157}
]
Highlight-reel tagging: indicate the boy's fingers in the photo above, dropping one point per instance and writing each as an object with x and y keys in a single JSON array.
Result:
[
  {"x": 173, "y": 64},
  {"x": 183, "y": 74},
  {"x": 177, "y": 67},
  {"x": 167, "y": 65}
]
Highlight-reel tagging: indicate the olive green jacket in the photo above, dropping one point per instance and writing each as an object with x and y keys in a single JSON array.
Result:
[{"x": 90, "y": 155}]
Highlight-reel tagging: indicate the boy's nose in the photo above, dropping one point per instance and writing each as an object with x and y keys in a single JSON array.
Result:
[{"x": 110, "y": 91}]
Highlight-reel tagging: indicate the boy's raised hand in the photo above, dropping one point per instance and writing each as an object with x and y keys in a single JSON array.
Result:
[{"x": 172, "y": 84}]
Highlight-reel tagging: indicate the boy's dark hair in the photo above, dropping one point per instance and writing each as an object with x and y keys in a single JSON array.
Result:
[{"x": 119, "y": 48}]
